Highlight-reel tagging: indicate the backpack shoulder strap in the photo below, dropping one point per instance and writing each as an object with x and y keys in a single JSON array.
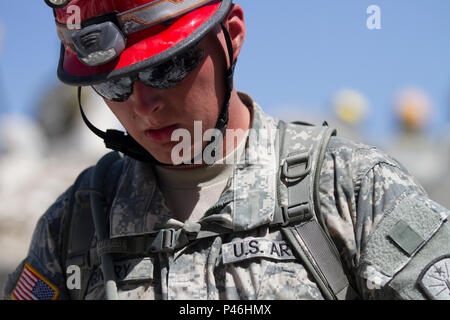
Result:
[
  {"x": 302, "y": 150},
  {"x": 79, "y": 241}
]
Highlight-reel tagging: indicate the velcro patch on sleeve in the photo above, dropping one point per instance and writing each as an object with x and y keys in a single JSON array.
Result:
[
  {"x": 405, "y": 237},
  {"x": 256, "y": 248},
  {"x": 31, "y": 285},
  {"x": 402, "y": 232}
]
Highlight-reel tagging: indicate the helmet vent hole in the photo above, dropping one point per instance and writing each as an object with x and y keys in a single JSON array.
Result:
[{"x": 90, "y": 40}]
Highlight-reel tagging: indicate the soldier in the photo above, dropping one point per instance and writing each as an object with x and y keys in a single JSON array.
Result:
[{"x": 300, "y": 214}]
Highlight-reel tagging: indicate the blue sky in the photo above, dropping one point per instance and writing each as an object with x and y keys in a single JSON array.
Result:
[{"x": 297, "y": 53}]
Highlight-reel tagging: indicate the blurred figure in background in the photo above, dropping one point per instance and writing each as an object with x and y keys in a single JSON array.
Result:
[
  {"x": 425, "y": 158},
  {"x": 350, "y": 109}
]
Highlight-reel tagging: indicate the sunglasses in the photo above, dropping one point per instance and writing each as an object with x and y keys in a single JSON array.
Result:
[{"x": 164, "y": 76}]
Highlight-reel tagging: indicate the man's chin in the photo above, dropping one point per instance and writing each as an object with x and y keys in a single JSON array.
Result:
[
  {"x": 162, "y": 158},
  {"x": 176, "y": 154},
  {"x": 178, "y": 161}
]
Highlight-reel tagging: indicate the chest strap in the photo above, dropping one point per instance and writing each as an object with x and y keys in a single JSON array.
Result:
[{"x": 165, "y": 240}]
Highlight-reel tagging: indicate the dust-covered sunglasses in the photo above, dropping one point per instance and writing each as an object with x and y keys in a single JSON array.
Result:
[{"x": 164, "y": 76}]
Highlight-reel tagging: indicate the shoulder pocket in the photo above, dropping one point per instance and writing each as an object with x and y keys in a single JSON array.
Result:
[{"x": 397, "y": 238}]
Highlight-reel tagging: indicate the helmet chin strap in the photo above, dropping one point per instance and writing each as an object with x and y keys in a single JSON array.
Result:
[{"x": 124, "y": 143}]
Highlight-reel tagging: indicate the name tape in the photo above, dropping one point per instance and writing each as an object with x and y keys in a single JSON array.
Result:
[{"x": 256, "y": 248}]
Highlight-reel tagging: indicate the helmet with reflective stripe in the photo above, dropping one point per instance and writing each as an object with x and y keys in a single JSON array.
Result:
[{"x": 107, "y": 39}]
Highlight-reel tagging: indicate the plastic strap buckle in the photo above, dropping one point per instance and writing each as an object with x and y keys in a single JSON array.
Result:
[
  {"x": 296, "y": 214},
  {"x": 164, "y": 241},
  {"x": 294, "y": 160}
]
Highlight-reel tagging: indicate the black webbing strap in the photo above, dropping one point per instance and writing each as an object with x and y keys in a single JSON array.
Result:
[
  {"x": 222, "y": 121},
  {"x": 80, "y": 228},
  {"x": 319, "y": 257},
  {"x": 100, "y": 221},
  {"x": 73, "y": 252},
  {"x": 165, "y": 240},
  {"x": 117, "y": 140},
  {"x": 229, "y": 85},
  {"x": 298, "y": 219}
]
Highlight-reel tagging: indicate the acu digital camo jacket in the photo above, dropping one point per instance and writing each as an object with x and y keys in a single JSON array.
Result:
[{"x": 393, "y": 240}]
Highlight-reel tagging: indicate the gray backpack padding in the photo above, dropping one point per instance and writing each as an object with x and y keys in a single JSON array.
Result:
[
  {"x": 302, "y": 151},
  {"x": 79, "y": 241}
]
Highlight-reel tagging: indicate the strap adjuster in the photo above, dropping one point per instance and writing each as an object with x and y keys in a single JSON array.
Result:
[
  {"x": 296, "y": 214},
  {"x": 164, "y": 241},
  {"x": 291, "y": 161}
]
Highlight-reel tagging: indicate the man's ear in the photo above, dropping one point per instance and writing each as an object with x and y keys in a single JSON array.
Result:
[{"x": 235, "y": 24}]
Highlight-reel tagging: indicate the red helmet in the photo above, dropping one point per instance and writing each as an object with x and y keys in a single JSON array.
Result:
[
  {"x": 109, "y": 39},
  {"x": 104, "y": 39}
]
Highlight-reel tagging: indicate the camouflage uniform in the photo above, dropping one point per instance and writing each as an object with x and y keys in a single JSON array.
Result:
[{"x": 361, "y": 191}]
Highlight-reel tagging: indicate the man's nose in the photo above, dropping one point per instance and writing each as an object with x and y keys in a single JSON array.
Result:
[{"x": 146, "y": 100}]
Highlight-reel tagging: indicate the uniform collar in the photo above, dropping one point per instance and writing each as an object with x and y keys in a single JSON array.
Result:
[{"x": 247, "y": 202}]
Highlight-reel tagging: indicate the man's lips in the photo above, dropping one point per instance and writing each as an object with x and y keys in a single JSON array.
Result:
[{"x": 162, "y": 134}]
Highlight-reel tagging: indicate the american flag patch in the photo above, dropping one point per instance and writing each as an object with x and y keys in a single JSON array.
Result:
[{"x": 33, "y": 286}]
